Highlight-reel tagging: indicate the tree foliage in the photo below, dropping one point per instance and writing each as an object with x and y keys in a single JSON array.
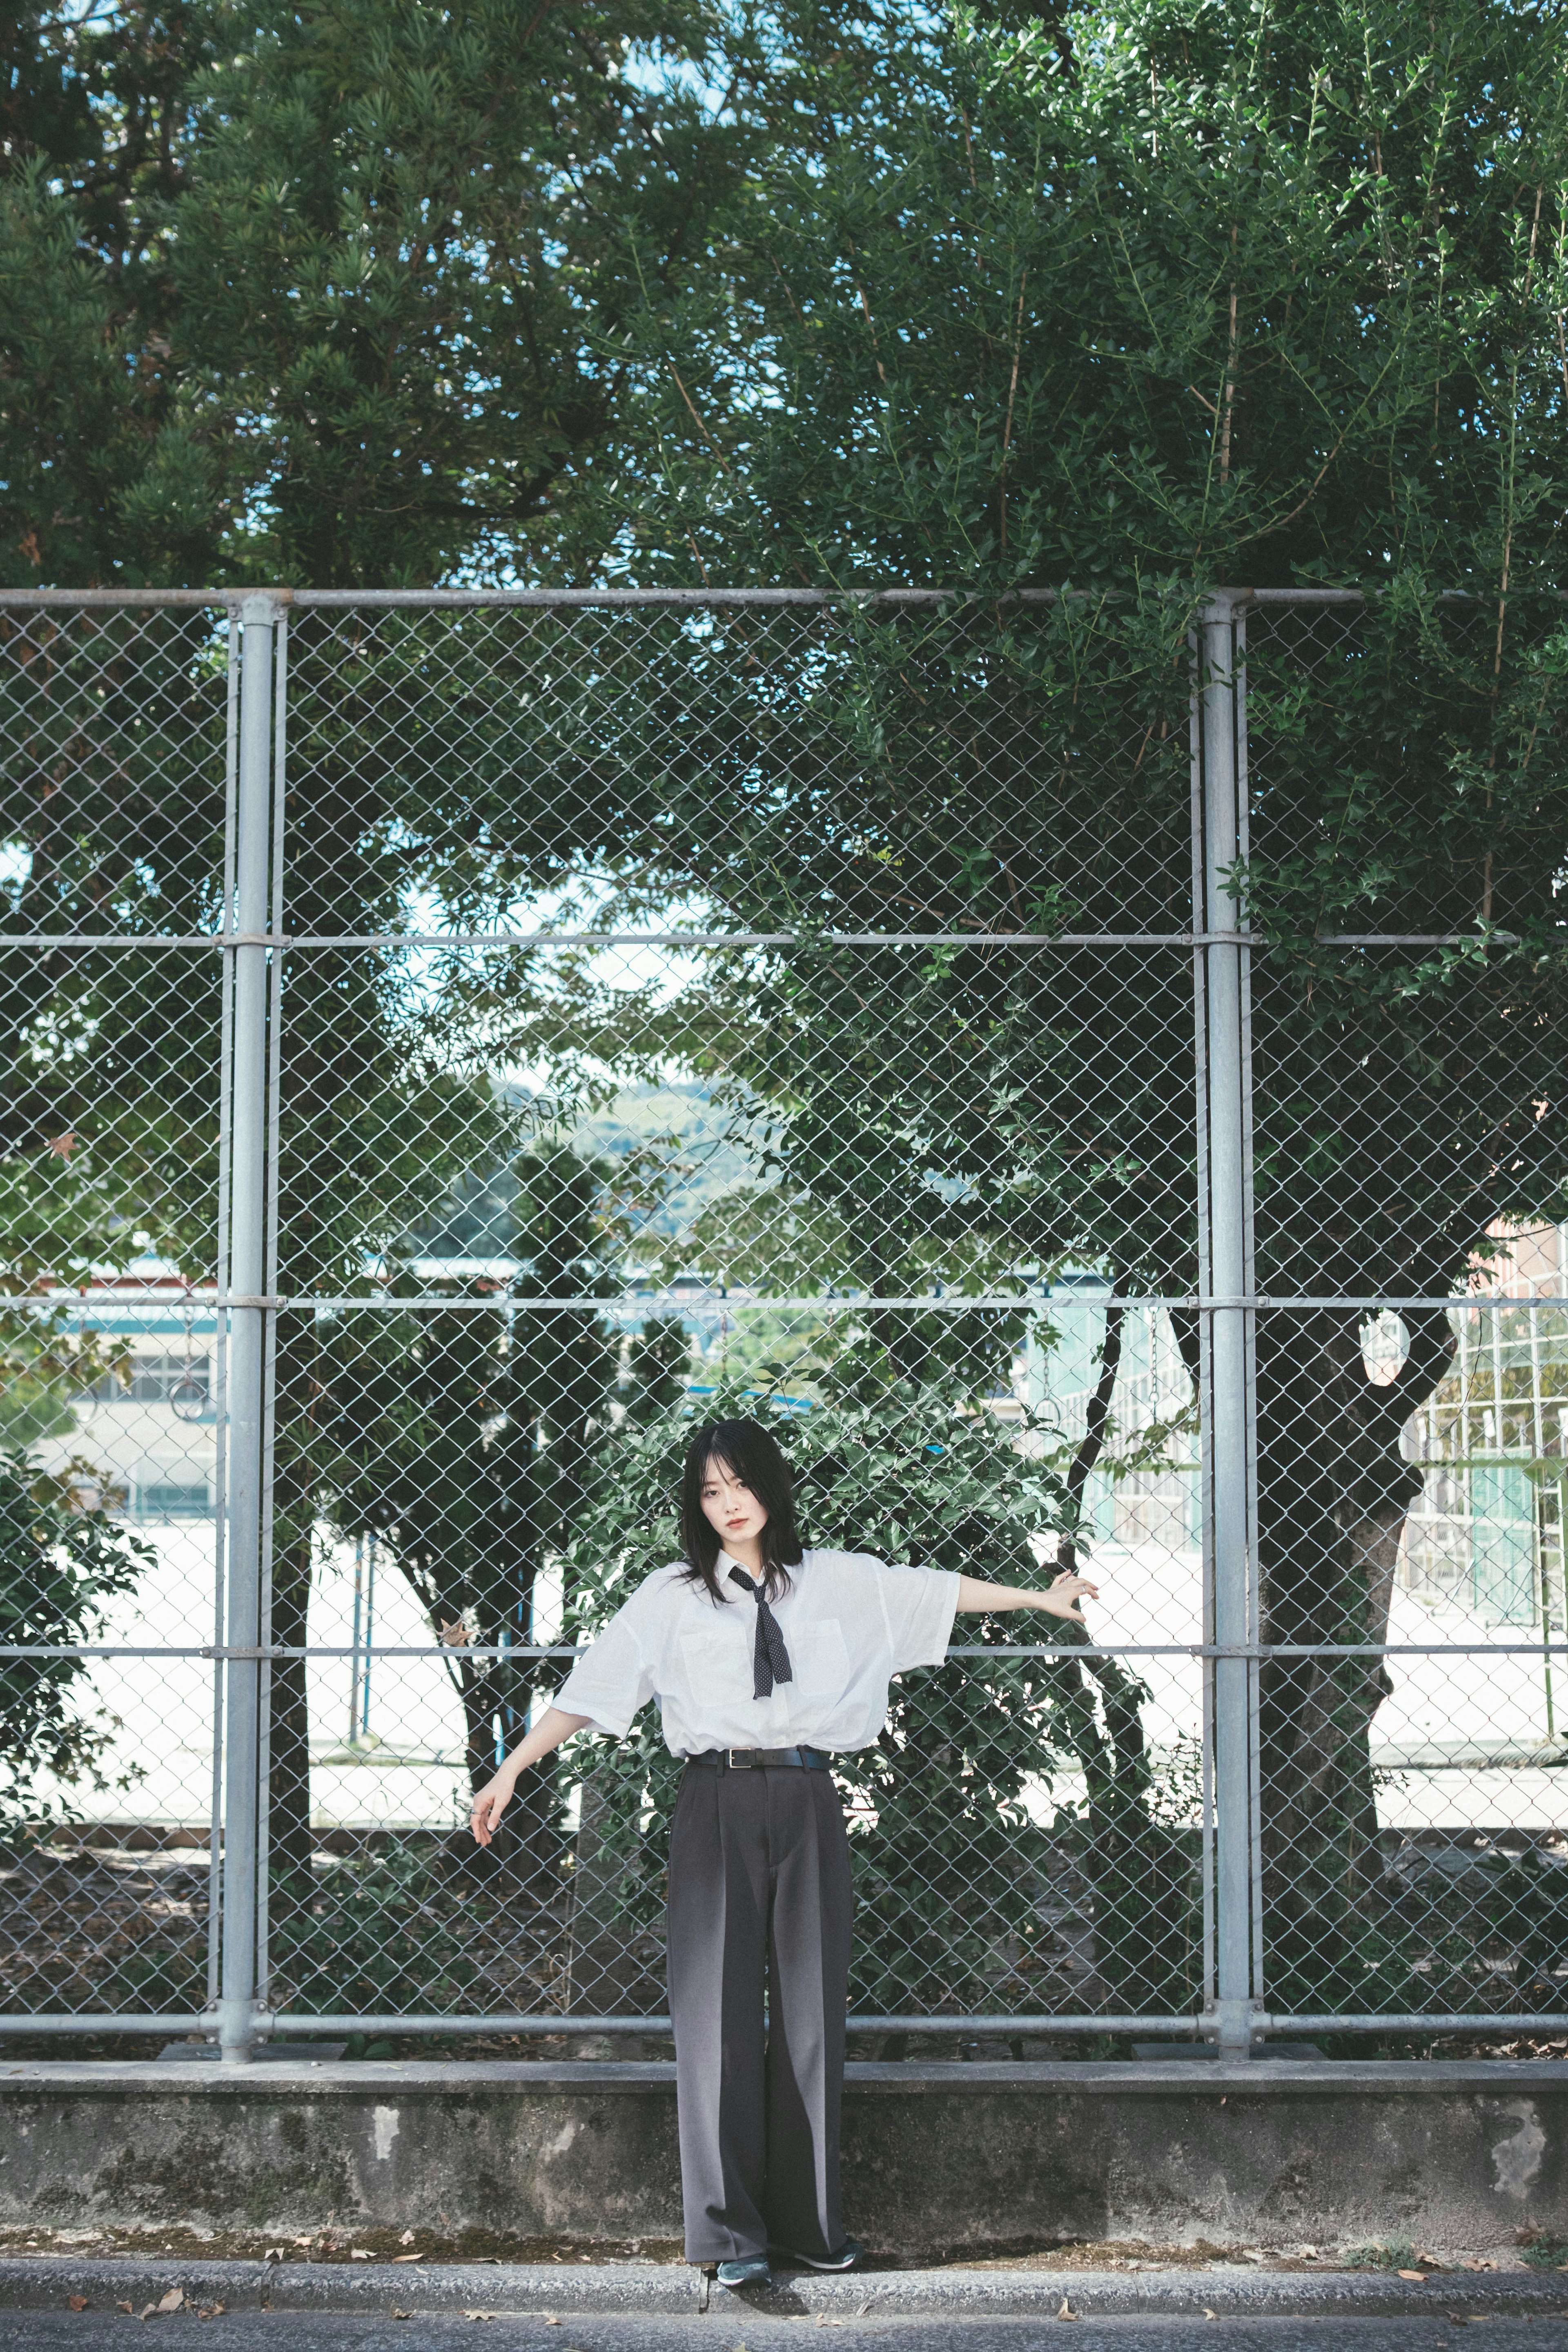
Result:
[
  {"x": 62, "y": 1560},
  {"x": 330, "y": 294},
  {"x": 1255, "y": 295}
]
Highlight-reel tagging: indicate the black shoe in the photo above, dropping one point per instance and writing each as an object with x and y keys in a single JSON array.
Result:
[
  {"x": 848, "y": 2255},
  {"x": 752, "y": 2270}
]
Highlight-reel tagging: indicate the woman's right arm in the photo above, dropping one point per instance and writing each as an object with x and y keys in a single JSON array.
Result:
[{"x": 493, "y": 1799}]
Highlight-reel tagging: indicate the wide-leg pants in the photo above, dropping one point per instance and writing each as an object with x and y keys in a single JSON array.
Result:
[{"x": 759, "y": 1896}]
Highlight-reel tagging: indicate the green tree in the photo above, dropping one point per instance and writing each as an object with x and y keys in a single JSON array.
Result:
[
  {"x": 316, "y": 295},
  {"x": 464, "y": 1440},
  {"x": 1120, "y": 309},
  {"x": 62, "y": 1560}
]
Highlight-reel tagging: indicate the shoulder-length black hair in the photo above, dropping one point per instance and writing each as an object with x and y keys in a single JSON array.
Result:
[{"x": 750, "y": 1453}]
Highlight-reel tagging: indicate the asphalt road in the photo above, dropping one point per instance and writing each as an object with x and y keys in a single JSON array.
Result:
[{"x": 721, "y": 2330}]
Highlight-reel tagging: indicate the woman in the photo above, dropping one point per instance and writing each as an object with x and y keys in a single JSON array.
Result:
[{"x": 766, "y": 1660}]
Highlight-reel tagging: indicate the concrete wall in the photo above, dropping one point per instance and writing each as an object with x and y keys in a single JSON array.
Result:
[{"x": 937, "y": 2158}]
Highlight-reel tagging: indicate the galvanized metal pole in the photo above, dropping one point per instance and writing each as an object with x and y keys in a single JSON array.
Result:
[
  {"x": 248, "y": 1344},
  {"x": 1227, "y": 1514}
]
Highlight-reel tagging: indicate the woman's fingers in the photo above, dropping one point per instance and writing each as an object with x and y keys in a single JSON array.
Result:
[
  {"x": 1075, "y": 1588},
  {"x": 484, "y": 1814}
]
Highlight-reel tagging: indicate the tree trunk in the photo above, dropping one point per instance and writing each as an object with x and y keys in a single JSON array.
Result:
[
  {"x": 1139, "y": 1874},
  {"x": 1333, "y": 1492}
]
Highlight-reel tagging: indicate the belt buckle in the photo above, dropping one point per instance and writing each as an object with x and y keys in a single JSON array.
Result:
[{"x": 731, "y": 1754}]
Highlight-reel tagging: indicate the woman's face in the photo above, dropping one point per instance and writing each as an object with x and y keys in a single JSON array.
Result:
[{"x": 730, "y": 1507}]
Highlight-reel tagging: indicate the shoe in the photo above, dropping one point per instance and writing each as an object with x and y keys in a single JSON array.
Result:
[
  {"x": 752, "y": 2270},
  {"x": 848, "y": 2255}
]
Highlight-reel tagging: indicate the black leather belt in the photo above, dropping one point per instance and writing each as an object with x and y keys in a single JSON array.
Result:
[{"x": 764, "y": 1759}]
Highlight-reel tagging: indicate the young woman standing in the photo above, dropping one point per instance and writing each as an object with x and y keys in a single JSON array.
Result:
[{"x": 766, "y": 1660}]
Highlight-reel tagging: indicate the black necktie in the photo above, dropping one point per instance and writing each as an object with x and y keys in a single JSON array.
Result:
[{"x": 770, "y": 1659}]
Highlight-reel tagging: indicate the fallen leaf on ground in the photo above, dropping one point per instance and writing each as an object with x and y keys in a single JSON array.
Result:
[
  {"x": 407, "y": 2258},
  {"x": 1208, "y": 2313},
  {"x": 403, "y": 2315},
  {"x": 212, "y": 2311},
  {"x": 407, "y": 2238},
  {"x": 1412, "y": 2274},
  {"x": 148, "y": 2312},
  {"x": 75, "y": 2303},
  {"x": 824, "y": 2321},
  {"x": 126, "y": 2306},
  {"x": 1066, "y": 2311},
  {"x": 358, "y": 2254},
  {"x": 1477, "y": 2262}
]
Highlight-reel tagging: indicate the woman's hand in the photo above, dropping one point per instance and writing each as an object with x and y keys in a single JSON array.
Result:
[
  {"x": 491, "y": 1803},
  {"x": 1065, "y": 1589},
  {"x": 484, "y": 1814}
]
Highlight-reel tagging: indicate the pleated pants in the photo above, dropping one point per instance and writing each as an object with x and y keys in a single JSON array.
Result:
[{"x": 759, "y": 1903}]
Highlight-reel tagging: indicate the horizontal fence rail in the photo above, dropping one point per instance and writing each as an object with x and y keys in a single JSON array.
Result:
[{"x": 459, "y": 1040}]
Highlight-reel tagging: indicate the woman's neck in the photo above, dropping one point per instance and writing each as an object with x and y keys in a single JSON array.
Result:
[{"x": 746, "y": 1552}]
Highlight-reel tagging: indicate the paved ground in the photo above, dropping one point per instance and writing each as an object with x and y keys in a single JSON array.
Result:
[
  {"x": 628, "y": 2307},
  {"x": 725, "y": 2330}
]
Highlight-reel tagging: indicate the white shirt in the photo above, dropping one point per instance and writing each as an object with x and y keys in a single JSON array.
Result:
[{"x": 849, "y": 1623}]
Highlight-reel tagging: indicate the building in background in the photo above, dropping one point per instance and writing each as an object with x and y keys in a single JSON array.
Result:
[
  {"x": 1486, "y": 1531},
  {"x": 152, "y": 1433}
]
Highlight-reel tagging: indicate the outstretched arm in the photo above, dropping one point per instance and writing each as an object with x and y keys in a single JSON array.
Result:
[
  {"x": 1058, "y": 1601},
  {"x": 493, "y": 1799}
]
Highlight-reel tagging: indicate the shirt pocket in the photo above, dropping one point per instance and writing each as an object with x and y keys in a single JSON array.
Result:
[
  {"x": 824, "y": 1662},
  {"x": 716, "y": 1662}
]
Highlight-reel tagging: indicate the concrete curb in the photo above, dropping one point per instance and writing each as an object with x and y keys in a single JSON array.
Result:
[
  {"x": 937, "y": 2158},
  {"x": 45, "y": 2283}
]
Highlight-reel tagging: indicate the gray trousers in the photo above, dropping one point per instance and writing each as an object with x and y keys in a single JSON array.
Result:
[{"x": 759, "y": 1892}]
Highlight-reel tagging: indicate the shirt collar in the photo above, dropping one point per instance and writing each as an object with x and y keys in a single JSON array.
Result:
[{"x": 726, "y": 1564}]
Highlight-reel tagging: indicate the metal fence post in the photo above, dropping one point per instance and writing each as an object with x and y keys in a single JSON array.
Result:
[
  {"x": 1227, "y": 1357},
  {"x": 246, "y": 1210}
]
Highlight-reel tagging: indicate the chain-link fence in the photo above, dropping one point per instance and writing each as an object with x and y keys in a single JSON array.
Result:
[{"x": 455, "y": 1040}]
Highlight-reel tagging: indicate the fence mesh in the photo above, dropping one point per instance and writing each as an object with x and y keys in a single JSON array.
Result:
[{"x": 453, "y": 1044}]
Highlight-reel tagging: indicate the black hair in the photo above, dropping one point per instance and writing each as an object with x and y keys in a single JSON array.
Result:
[{"x": 750, "y": 1453}]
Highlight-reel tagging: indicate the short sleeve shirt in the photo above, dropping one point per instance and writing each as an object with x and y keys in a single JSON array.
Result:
[{"x": 850, "y": 1623}]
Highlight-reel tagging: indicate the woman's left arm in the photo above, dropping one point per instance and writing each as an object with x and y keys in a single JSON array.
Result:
[{"x": 1058, "y": 1601}]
